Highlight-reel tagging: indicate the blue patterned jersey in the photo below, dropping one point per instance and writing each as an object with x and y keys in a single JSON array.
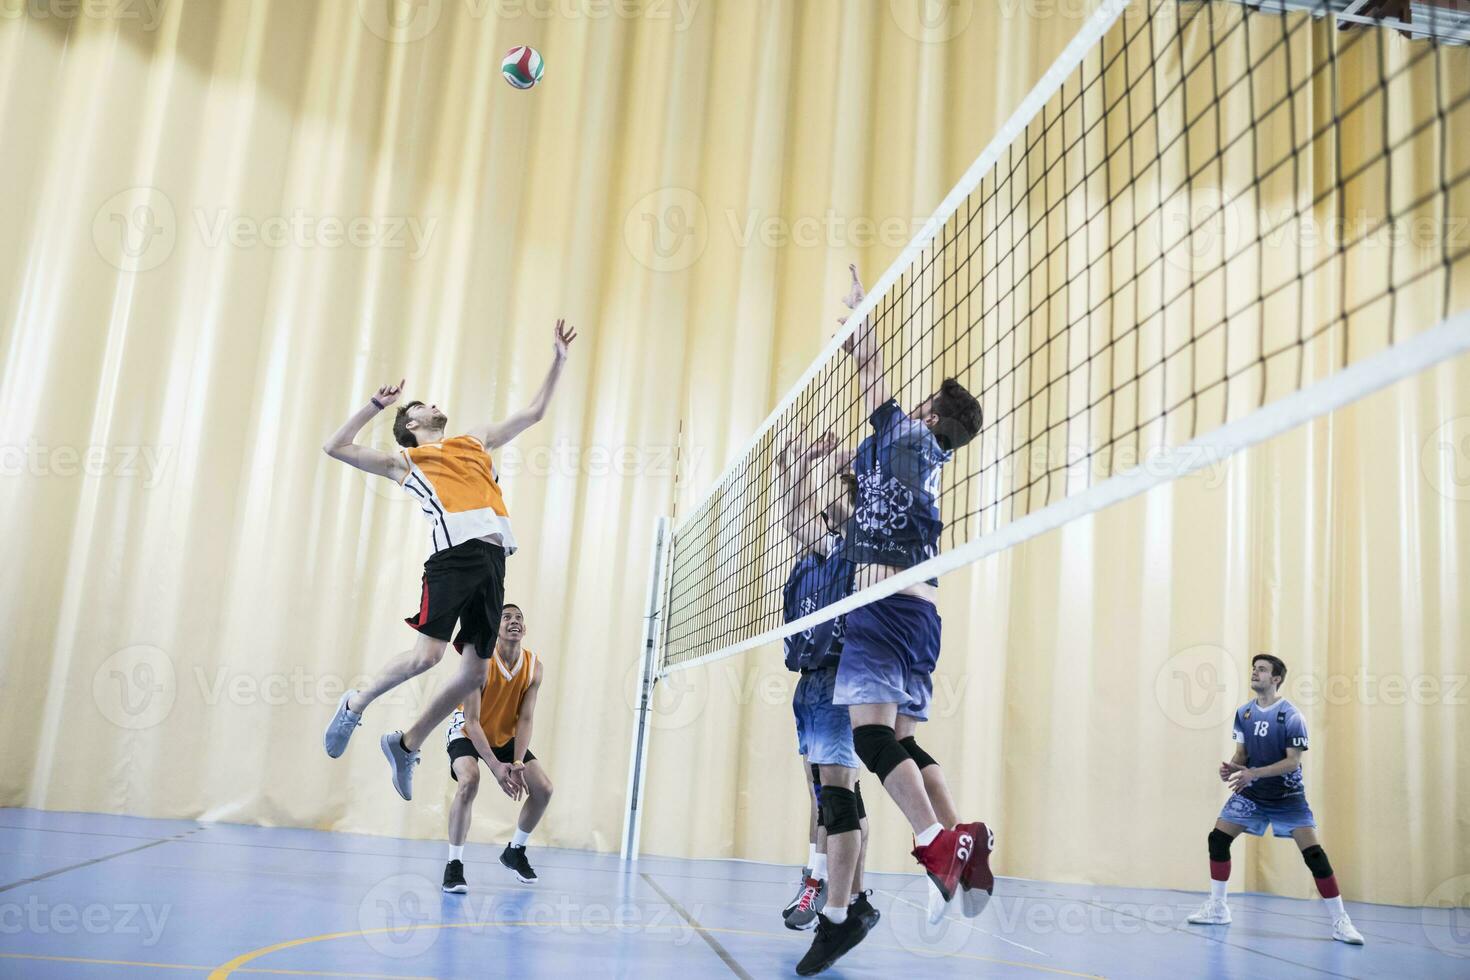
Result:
[
  {"x": 1266, "y": 734},
  {"x": 897, "y": 468},
  {"x": 815, "y": 582}
]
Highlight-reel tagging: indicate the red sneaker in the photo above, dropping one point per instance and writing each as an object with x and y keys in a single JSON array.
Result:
[
  {"x": 944, "y": 859},
  {"x": 977, "y": 883}
]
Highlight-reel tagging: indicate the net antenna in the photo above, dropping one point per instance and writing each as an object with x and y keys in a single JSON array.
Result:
[{"x": 1208, "y": 223}]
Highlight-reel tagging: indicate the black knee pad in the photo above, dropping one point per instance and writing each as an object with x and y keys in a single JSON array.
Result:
[
  {"x": 1317, "y": 862},
  {"x": 878, "y": 747},
  {"x": 857, "y": 790},
  {"x": 922, "y": 758},
  {"x": 839, "y": 810},
  {"x": 1220, "y": 845}
]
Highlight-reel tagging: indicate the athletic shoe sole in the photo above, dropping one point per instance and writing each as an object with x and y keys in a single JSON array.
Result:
[{"x": 456, "y": 889}]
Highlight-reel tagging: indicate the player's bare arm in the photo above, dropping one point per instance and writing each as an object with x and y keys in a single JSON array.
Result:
[
  {"x": 496, "y": 434},
  {"x": 1241, "y": 778},
  {"x": 525, "y": 720},
  {"x": 862, "y": 345},
  {"x": 509, "y": 782},
  {"x": 340, "y": 445},
  {"x": 800, "y": 516}
]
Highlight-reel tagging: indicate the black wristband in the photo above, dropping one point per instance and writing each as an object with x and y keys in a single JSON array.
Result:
[{"x": 377, "y": 404}]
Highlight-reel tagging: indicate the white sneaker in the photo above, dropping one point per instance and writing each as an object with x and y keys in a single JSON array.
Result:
[
  {"x": 1343, "y": 932},
  {"x": 1213, "y": 913},
  {"x": 341, "y": 727}
]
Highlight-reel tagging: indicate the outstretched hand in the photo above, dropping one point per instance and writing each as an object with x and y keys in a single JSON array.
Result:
[
  {"x": 823, "y": 447},
  {"x": 856, "y": 294},
  {"x": 388, "y": 394},
  {"x": 564, "y": 337}
]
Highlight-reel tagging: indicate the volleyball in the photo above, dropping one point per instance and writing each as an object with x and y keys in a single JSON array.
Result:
[{"x": 522, "y": 66}]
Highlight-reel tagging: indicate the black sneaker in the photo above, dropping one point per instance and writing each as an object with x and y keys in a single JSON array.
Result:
[
  {"x": 454, "y": 878},
  {"x": 863, "y": 909},
  {"x": 514, "y": 858},
  {"x": 831, "y": 943}
]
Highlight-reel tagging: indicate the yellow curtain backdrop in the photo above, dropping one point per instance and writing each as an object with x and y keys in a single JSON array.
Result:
[{"x": 227, "y": 222}]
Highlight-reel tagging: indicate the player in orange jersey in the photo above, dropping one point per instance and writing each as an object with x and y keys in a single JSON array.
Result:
[
  {"x": 455, "y": 484},
  {"x": 507, "y": 715}
]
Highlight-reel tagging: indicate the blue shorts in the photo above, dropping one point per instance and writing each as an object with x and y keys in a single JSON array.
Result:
[
  {"x": 823, "y": 730},
  {"x": 889, "y": 654},
  {"x": 1284, "y": 816}
]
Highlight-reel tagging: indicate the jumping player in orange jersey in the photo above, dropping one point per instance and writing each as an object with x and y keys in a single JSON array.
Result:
[
  {"x": 456, "y": 485},
  {"x": 506, "y": 720}
]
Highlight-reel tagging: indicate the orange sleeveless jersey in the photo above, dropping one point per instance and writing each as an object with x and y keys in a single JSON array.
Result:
[
  {"x": 501, "y": 697},
  {"x": 455, "y": 484}
]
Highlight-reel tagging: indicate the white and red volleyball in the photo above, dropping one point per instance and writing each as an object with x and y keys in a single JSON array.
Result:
[{"x": 522, "y": 66}]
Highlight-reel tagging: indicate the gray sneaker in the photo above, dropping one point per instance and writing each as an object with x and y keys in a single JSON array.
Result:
[
  {"x": 800, "y": 890},
  {"x": 402, "y": 762},
  {"x": 340, "y": 728},
  {"x": 813, "y": 900}
]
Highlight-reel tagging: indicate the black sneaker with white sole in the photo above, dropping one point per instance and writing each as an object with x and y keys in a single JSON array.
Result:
[
  {"x": 833, "y": 941},
  {"x": 454, "y": 878},
  {"x": 514, "y": 858}
]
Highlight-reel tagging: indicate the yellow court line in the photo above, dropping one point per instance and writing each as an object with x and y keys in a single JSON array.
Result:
[
  {"x": 223, "y": 971},
  {"x": 203, "y": 969}
]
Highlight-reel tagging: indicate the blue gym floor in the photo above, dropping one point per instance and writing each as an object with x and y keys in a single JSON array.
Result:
[{"x": 87, "y": 895}]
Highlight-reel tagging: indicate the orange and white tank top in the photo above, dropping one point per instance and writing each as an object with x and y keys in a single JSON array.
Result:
[
  {"x": 500, "y": 699},
  {"x": 455, "y": 484}
]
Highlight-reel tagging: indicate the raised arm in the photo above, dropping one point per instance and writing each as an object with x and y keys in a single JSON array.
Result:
[
  {"x": 799, "y": 517},
  {"x": 340, "y": 444},
  {"x": 863, "y": 346},
  {"x": 494, "y": 434}
]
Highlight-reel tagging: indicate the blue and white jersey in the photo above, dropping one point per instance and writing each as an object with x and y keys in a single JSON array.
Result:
[
  {"x": 897, "y": 468},
  {"x": 1266, "y": 734},
  {"x": 815, "y": 582}
]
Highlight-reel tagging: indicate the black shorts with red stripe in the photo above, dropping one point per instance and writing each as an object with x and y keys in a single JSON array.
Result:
[{"x": 465, "y": 585}]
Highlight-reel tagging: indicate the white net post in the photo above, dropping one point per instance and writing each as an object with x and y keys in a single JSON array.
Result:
[{"x": 647, "y": 676}]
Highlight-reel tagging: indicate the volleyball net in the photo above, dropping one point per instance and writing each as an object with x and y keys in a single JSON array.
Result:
[{"x": 1208, "y": 223}]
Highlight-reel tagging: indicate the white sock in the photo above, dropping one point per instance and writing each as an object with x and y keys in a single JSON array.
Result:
[
  {"x": 1334, "y": 905},
  {"x": 456, "y": 852},
  {"x": 811, "y": 855},
  {"x": 519, "y": 838},
  {"x": 1217, "y": 889},
  {"x": 819, "y": 867},
  {"x": 926, "y": 837},
  {"x": 835, "y": 916}
]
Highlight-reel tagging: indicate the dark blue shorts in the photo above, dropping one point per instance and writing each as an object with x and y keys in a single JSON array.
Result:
[
  {"x": 1282, "y": 816},
  {"x": 889, "y": 654}
]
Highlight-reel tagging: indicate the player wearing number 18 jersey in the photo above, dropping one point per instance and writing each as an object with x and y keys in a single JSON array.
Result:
[{"x": 1266, "y": 778}]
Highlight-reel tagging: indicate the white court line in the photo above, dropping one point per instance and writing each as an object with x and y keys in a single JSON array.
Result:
[{"x": 961, "y": 921}]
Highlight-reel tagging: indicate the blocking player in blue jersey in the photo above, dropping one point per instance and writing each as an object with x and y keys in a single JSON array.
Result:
[
  {"x": 1265, "y": 777},
  {"x": 891, "y": 645},
  {"x": 816, "y": 508}
]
